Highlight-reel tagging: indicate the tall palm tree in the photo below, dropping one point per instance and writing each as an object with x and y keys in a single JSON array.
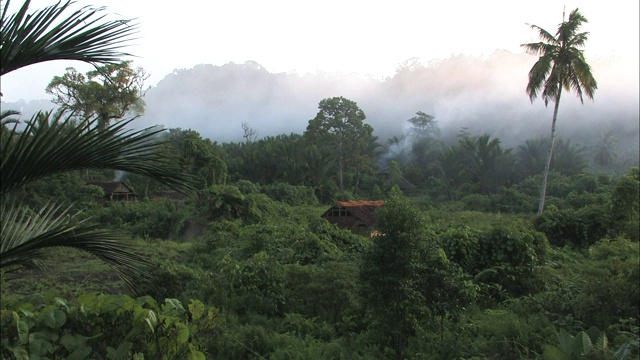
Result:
[
  {"x": 50, "y": 144},
  {"x": 561, "y": 65}
]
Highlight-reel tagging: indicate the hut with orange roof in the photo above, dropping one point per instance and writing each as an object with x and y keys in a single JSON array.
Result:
[{"x": 357, "y": 215}]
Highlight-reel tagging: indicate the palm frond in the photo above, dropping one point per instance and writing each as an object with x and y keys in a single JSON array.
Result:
[
  {"x": 39, "y": 151},
  {"x": 538, "y": 75},
  {"x": 46, "y": 35},
  {"x": 567, "y": 29},
  {"x": 544, "y": 35},
  {"x": 584, "y": 75},
  {"x": 26, "y": 237},
  {"x": 539, "y": 48},
  {"x": 6, "y": 117},
  {"x": 552, "y": 84},
  {"x": 572, "y": 82},
  {"x": 578, "y": 40}
]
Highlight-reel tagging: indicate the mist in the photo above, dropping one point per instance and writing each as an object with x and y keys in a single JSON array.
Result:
[
  {"x": 480, "y": 94},
  {"x": 483, "y": 95}
]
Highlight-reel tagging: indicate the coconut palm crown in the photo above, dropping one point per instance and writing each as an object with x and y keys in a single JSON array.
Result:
[{"x": 561, "y": 65}]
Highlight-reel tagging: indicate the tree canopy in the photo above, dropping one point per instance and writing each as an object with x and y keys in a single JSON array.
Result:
[
  {"x": 109, "y": 92},
  {"x": 340, "y": 125}
]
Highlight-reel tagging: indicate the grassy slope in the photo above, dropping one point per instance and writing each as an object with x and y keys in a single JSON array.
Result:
[{"x": 70, "y": 271}]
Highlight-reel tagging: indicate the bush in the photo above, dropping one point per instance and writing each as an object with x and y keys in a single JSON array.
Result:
[
  {"x": 511, "y": 200},
  {"x": 478, "y": 202},
  {"x": 461, "y": 244},
  {"x": 579, "y": 228},
  {"x": 512, "y": 252},
  {"x": 158, "y": 219},
  {"x": 247, "y": 187},
  {"x": 599, "y": 288},
  {"x": 611, "y": 283},
  {"x": 503, "y": 258},
  {"x": 290, "y": 194},
  {"x": 501, "y": 334},
  {"x": 105, "y": 326}
]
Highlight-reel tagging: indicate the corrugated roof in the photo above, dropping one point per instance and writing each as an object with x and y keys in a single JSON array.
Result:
[
  {"x": 360, "y": 212},
  {"x": 360, "y": 203},
  {"x": 110, "y": 187}
]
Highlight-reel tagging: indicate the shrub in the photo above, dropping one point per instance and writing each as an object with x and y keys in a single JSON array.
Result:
[
  {"x": 580, "y": 228},
  {"x": 511, "y": 200},
  {"x": 461, "y": 244},
  {"x": 478, "y": 202},
  {"x": 105, "y": 326},
  {"x": 159, "y": 219},
  {"x": 503, "y": 259},
  {"x": 247, "y": 187},
  {"x": 290, "y": 194},
  {"x": 512, "y": 252}
]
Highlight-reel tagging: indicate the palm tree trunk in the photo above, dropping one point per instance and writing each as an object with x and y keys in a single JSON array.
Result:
[
  {"x": 340, "y": 166},
  {"x": 543, "y": 190}
]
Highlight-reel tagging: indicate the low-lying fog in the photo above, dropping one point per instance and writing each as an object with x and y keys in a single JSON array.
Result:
[{"x": 480, "y": 94}]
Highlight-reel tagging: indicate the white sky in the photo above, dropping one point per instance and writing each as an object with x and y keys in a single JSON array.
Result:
[{"x": 366, "y": 37}]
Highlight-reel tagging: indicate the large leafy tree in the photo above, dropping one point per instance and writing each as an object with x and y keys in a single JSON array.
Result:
[
  {"x": 340, "y": 125},
  {"x": 424, "y": 125},
  {"x": 407, "y": 280},
  {"x": 561, "y": 65},
  {"x": 50, "y": 145},
  {"x": 109, "y": 92}
]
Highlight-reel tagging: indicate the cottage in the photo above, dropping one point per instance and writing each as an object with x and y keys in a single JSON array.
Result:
[
  {"x": 358, "y": 216},
  {"x": 115, "y": 190}
]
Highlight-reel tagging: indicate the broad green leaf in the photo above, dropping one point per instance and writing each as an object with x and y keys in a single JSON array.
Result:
[
  {"x": 196, "y": 308},
  {"x": 582, "y": 344},
  {"x": 553, "y": 353},
  {"x": 86, "y": 299},
  {"x": 60, "y": 302},
  {"x": 146, "y": 300},
  {"x": 150, "y": 325},
  {"x": 183, "y": 333},
  {"x": 55, "y": 318},
  {"x": 40, "y": 347},
  {"x": 173, "y": 307},
  {"x": 73, "y": 342},
  {"x": 81, "y": 353},
  {"x": 23, "y": 332},
  {"x": 566, "y": 341},
  {"x": 152, "y": 319},
  {"x": 121, "y": 353},
  {"x": 194, "y": 354}
]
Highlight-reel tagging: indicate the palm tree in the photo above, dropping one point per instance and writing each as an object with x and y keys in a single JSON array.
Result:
[
  {"x": 50, "y": 144},
  {"x": 561, "y": 65},
  {"x": 531, "y": 156},
  {"x": 604, "y": 153}
]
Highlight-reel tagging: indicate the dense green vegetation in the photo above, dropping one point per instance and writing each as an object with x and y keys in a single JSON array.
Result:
[
  {"x": 470, "y": 274},
  {"x": 244, "y": 267}
]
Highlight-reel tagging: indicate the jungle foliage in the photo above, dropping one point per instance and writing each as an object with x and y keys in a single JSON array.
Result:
[{"x": 241, "y": 265}]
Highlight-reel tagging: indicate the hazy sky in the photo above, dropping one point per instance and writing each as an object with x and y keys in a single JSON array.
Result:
[{"x": 366, "y": 37}]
